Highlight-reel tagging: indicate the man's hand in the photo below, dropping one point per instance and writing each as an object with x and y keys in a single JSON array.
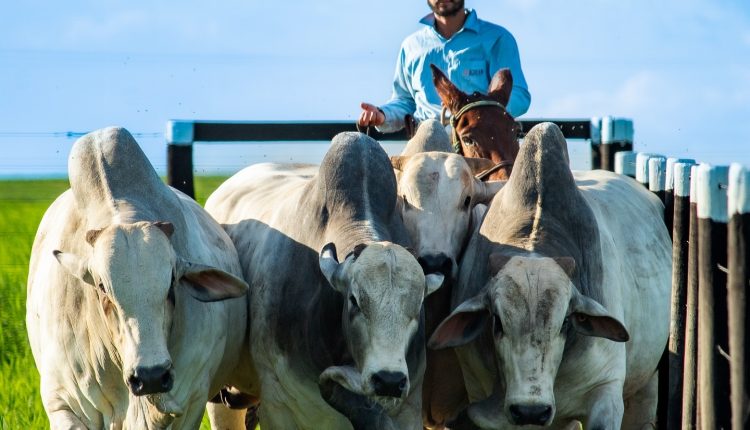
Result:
[{"x": 370, "y": 116}]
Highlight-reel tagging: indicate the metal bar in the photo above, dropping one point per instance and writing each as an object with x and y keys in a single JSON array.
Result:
[
  {"x": 713, "y": 367},
  {"x": 616, "y": 136},
  {"x": 669, "y": 190},
  {"x": 657, "y": 177},
  {"x": 680, "y": 233},
  {"x": 689, "y": 388},
  {"x": 625, "y": 163},
  {"x": 180, "y": 168},
  {"x": 738, "y": 282},
  {"x": 252, "y": 131}
]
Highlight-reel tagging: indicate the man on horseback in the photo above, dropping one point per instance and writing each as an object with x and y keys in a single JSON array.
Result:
[{"x": 468, "y": 49}]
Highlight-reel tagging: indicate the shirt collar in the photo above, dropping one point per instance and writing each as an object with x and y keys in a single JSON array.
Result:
[{"x": 471, "y": 23}]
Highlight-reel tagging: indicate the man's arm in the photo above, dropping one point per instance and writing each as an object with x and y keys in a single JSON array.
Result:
[
  {"x": 504, "y": 53},
  {"x": 402, "y": 100}
]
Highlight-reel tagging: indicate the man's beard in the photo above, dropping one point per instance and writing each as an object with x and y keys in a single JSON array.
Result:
[{"x": 447, "y": 9}]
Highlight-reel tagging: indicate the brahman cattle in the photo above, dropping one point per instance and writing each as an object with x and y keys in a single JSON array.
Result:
[
  {"x": 133, "y": 309},
  {"x": 349, "y": 329},
  {"x": 437, "y": 192},
  {"x": 562, "y": 304}
]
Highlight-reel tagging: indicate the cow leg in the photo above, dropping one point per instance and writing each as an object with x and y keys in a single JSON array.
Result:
[
  {"x": 640, "y": 408},
  {"x": 606, "y": 407},
  {"x": 232, "y": 409},
  {"x": 65, "y": 420},
  {"x": 224, "y": 418}
]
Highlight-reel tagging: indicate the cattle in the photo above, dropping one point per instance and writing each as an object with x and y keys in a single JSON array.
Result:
[
  {"x": 437, "y": 193},
  {"x": 320, "y": 324},
  {"x": 136, "y": 311},
  {"x": 561, "y": 311}
]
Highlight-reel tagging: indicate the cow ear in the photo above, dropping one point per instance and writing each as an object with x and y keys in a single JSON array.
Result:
[
  {"x": 487, "y": 190},
  {"x": 75, "y": 265},
  {"x": 330, "y": 266},
  {"x": 92, "y": 235},
  {"x": 497, "y": 262},
  {"x": 568, "y": 264},
  {"x": 463, "y": 325},
  {"x": 501, "y": 86},
  {"x": 449, "y": 94},
  {"x": 399, "y": 161},
  {"x": 166, "y": 227},
  {"x": 433, "y": 281},
  {"x": 209, "y": 284},
  {"x": 592, "y": 319}
]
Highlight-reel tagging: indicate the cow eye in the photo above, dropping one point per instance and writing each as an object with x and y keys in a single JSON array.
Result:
[
  {"x": 101, "y": 287},
  {"x": 467, "y": 202},
  {"x": 353, "y": 302},
  {"x": 497, "y": 326},
  {"x": 170, "y": 294},
  {"x": 565, "y": 325}
]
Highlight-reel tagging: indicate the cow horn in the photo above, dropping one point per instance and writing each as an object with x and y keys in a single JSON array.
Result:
[{"x": 329, "y": 263}]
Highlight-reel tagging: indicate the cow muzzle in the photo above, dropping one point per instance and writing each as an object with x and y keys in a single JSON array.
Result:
[
  {"x": 437, "y": 263},
  {"x": 151, "y": 380},
  {"x": 534, "y": 414},
  {"x": 389, "y": 384}
]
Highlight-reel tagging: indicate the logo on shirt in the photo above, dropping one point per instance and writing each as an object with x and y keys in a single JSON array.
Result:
[{"x": 473, "y": 72}]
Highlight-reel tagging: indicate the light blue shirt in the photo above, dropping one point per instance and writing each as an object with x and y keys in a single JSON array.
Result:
[{"x": 470, "y": 58}]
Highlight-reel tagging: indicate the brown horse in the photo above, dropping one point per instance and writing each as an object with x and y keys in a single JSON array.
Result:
[{"x": 482, "y": 126}]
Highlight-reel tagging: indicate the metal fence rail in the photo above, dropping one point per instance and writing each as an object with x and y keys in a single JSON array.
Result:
[{"x": 606, "y": 135}]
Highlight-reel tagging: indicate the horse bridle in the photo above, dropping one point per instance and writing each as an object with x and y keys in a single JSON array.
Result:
[{"x": 457, "y": 148}]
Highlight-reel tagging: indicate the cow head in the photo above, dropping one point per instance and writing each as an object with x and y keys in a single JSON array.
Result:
[
  {"x": 437, "y": 191},
  {"x": 383, "y": 289},
  {"x": 139, "y": 279},
  {"x": 532, "y": 308}
]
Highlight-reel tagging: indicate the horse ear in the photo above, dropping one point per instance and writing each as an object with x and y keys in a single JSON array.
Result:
[
  {"x": 449, "y": 94},
  {"x": 501, "y": 85}
]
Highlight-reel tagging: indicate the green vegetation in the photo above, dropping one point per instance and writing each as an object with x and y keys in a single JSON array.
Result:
[{"x": 22, "y": 204}]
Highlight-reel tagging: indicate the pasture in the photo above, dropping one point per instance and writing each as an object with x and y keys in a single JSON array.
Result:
[{"x": 22, "y": 205}]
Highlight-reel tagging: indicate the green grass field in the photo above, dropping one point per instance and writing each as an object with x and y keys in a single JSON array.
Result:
[{"x": 22, "y": 204}]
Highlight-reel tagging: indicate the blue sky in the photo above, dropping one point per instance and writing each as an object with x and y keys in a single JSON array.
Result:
[{"x": 679, "y": 69}]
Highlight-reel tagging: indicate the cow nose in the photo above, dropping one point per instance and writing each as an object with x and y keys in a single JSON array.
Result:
[
  {"x": 151, "y": 380},
  {"x": 436, "y": 263},
  {"x": 530, "y": 414},
  {"x": 390, "y": 384}
]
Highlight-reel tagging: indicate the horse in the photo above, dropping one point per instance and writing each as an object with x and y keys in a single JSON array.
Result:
[{"x": 481, "y": 125}]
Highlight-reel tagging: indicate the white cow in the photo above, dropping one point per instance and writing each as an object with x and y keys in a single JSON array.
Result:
[
  {"x": 437, "y": 192},
  {"x": 135, "y": 312},
  {"x": 336, "y": 298},
  {"x": 562, "y": 305}
]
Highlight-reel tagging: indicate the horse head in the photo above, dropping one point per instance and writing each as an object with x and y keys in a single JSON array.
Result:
[{"x": 482, "y": 126}]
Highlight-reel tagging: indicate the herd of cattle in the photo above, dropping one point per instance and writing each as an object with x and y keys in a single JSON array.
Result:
[{"x": 366, "y": 292}]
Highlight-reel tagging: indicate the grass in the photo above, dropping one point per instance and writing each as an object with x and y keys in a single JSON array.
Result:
[{"x": 22, "y": 204}]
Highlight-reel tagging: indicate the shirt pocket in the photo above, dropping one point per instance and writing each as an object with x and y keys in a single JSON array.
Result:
[{"x": 471, "y": 75}]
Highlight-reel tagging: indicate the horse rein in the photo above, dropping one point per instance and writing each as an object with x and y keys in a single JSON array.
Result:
[{"x": 457, "y": 148}]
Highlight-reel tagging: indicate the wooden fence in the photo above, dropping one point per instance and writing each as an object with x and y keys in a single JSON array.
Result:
[{"x": 707, "y": 210}]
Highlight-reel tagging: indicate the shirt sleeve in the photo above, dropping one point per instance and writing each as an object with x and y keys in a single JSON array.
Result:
[
  {"x": 402, "y": 100},
  {"x": 505, "y": 54}
]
